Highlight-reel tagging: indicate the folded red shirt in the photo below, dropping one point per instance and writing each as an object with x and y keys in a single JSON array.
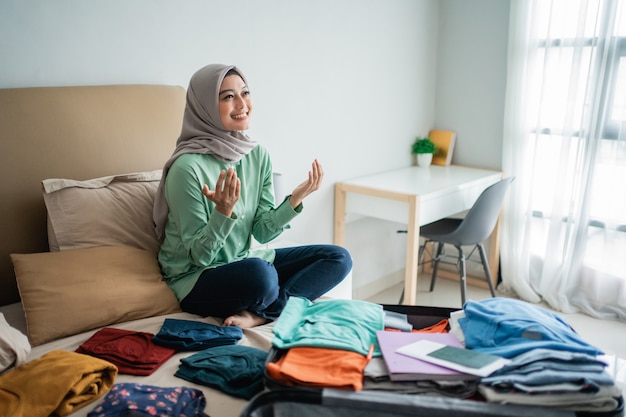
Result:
[{"x": 132, "y": 352}]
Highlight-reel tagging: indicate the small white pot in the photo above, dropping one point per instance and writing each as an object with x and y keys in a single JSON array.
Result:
[{"x": 424, "y": 159}]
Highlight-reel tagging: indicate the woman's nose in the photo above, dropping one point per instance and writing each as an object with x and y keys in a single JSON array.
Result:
[{"x": 240, "y": 103}]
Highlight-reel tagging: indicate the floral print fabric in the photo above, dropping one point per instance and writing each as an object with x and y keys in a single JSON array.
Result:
[{"x": 131, "y": 399}]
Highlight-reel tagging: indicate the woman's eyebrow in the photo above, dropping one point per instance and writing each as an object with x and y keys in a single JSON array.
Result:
[{"x": 230, "y": 90}]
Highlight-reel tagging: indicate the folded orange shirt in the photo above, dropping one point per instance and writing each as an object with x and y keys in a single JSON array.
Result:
[
  {"x": 320, "y": 367},
  {"x": 439, "y": 327}
]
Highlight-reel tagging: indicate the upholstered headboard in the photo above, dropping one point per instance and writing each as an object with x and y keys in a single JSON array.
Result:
[{"x": 79, "y": 133}]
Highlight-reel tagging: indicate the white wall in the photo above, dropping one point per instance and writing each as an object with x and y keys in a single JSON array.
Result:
[
  {"x": 471, "y": 42},
  {"x": 471, "y": 78},
  {"x": 351, "y": 82}
]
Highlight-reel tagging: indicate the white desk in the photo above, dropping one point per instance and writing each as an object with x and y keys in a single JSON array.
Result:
[{"x": 414, "y": 196}]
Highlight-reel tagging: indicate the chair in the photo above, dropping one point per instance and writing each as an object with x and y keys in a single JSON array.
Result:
[{"x": 473, "y": 229}]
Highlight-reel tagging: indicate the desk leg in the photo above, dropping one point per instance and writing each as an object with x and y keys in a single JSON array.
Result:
[
  {"x": 412, "y": 252},
  {"x": 340, "y": 216}
]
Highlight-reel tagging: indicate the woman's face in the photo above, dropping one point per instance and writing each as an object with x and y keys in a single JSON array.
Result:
[{"x": 235, "y": 103}]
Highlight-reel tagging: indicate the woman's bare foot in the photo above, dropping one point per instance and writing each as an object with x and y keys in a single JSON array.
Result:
[{"x": 245, "y": 320}]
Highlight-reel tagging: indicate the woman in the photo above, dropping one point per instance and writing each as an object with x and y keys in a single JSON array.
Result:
[{"x": 215, "y": 195}]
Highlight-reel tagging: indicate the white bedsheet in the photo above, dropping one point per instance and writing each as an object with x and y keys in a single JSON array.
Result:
[{"x": 218, "y": 403}]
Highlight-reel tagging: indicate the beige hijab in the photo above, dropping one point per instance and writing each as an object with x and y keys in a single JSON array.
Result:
[{"x": 202, "y": 132}]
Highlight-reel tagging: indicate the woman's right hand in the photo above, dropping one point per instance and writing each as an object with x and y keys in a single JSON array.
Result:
[
  {"x": 226, "y": 193},
  {"x": 313, "y": 183}
]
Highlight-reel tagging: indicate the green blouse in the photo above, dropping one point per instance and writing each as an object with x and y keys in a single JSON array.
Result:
[{"x": 198, "y": 237}]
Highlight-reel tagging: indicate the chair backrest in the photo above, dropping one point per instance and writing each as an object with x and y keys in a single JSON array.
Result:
[{"x": 482, "y": 217}]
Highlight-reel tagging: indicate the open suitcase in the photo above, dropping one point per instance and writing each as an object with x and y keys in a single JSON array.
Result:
[
  {"x": 283, "y": 401},
  {"x": 339, "y": 403}
]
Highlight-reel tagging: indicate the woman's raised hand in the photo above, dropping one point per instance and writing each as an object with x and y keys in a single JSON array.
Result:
[
  {"x": 312, "y": 183},
  {"x": 226, "y": 193}
]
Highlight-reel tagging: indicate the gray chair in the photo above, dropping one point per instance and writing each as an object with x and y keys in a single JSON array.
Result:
[{"x": 473, "y": 229}]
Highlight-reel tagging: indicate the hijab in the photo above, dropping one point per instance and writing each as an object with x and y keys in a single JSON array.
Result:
[{"x": 202, "y": 132}]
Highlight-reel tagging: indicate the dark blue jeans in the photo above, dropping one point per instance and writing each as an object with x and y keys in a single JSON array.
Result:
[{"x": 263, "y": 288}]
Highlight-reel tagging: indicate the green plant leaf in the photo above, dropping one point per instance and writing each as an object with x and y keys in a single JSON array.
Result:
[{"x": 423, "y": 145}]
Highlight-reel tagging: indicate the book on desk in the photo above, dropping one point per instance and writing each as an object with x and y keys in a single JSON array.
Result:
[
  {"x": 406, "y": 368},
  {"x": 444, "y": 141}
]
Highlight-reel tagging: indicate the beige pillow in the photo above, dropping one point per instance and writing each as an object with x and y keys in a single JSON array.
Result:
[
  {"x": 69, "y": 292},
  {"x": 107, "y": 211}
]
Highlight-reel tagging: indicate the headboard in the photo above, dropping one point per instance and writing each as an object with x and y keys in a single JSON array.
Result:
[{"x": 79, "y": 133}]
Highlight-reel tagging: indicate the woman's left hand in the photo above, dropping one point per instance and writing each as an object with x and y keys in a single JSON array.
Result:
[{"x": 316, "y": 175}]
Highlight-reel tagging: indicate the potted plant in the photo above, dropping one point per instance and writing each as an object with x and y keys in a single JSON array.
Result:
[{"x": 423, "y": 148}]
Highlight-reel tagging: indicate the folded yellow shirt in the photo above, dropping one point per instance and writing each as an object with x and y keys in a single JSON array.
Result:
[{"x": 59, "y": 382}]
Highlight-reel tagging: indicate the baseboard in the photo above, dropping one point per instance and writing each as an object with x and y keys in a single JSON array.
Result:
[
  {"x": 366, "y": 291},
  {"x": 370, "y": 289}
]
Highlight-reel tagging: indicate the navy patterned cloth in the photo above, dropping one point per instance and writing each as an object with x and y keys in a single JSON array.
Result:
[{"x": 131, "y": 399}]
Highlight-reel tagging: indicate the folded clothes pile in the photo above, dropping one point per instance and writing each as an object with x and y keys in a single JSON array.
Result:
[{"x": 551, "y": 365}]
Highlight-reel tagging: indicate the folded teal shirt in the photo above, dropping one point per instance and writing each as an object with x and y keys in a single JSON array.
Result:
[
  {"x": 337, "y": 324},
  {"x": 236, "y": 370}
]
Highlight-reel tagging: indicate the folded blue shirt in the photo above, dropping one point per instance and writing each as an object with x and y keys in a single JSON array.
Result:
[
  {"x": 550, "y": 368},
  {"x": 508, "y": 327},
  {"x": 187, "y": 335}
]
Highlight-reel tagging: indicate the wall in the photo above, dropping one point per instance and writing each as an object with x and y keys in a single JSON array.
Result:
[
  {"x": 350, "y": 82},
  {"x": 471, "y": 41},
  {"x": 342, "y": 81},
  {"x": 471, "y": 82},
  {"x": 471, "y": 78}
]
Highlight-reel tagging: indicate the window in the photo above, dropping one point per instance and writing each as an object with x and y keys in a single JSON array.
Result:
[{"x": 584, "y": 80}]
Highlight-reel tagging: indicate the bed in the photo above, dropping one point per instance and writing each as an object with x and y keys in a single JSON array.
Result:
[{"x": 80, "y": 166}]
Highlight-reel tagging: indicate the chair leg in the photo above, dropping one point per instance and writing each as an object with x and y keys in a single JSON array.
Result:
[
  {"x": 483, "y": 259},
  {"x": 463, "y": 273},
  {"x": 436, "y": 265},
  {"x": 420, "y": 259},
  {"x": 420, "y": 256}
]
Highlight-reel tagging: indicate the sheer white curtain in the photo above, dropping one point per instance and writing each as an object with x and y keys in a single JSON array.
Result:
[{"x": 564, "y": 225}]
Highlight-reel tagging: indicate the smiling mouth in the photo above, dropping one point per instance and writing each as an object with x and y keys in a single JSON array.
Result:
[{"x": 240, "y": 116}]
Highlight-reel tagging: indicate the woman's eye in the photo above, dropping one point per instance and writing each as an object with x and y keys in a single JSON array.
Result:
[{"x": 227, "y": 97}]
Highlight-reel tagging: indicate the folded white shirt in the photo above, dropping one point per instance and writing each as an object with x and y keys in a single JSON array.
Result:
[{"x": 14, "y": 346}]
